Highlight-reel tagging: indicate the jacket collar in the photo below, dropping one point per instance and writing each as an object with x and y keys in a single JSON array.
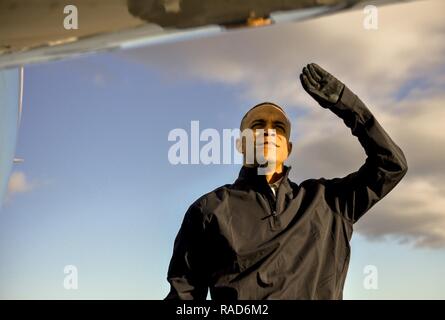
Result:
[{"x": 249, "y": 176}]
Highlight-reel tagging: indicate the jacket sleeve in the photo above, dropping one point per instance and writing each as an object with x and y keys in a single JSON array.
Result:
[
  {"x": 187, "y": 272},
  {"x": 353, "y": 195}
]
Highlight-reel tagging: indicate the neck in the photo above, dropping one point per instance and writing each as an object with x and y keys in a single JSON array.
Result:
[{"x": 274, "y": 174}]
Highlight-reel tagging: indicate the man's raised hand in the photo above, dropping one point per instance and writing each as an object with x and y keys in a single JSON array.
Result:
[{"x": 321, "y": 85}]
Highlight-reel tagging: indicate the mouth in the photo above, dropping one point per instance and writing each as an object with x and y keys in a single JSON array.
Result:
[{"x": 265, "y": 143}]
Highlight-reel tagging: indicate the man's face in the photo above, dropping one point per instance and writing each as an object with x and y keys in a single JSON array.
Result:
[{"x": 275, "y": 147}]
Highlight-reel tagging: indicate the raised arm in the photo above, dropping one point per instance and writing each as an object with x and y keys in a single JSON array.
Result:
[{"x": 353, "y": 195}]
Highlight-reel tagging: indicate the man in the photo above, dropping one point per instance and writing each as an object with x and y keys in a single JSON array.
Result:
[{"x": 266, "y": 237}]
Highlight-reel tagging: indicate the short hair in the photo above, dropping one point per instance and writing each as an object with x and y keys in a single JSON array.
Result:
[{"x": 263, "y": 104}]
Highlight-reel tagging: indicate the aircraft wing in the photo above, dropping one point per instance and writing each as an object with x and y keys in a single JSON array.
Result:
[{"x": 35, "y": 31}]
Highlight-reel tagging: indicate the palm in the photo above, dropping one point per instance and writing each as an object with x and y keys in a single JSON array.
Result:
[{"x": 321, "y": 85}]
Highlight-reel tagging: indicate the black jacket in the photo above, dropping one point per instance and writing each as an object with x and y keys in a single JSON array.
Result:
[{"x": 242, "y": 243}]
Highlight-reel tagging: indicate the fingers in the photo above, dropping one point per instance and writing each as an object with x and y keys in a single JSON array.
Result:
[
  {"x": 309, "y": 77},
  {"x": 318, "y": 70},
  {"x": 304, "y": 82},
  {"x": 314, "y": 73},
  {"x": 307, "y": 84}
]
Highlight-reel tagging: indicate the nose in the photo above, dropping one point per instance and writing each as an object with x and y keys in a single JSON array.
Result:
[
  {"x": 267, "y": 132},
  {"x": 270, "y": 131}
]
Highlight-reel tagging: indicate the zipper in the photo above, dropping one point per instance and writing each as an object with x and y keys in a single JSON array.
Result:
[
  {"x": 275, "y": 222},
  {"x": 272, "y": 206}
]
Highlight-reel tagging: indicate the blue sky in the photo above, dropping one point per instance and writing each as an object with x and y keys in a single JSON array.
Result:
[
  {"x": 101, "y": 194},
  {"x": 104, "y": 196}
]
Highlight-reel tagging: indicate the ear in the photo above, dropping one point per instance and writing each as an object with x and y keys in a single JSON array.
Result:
[
  {"x": 239, "y": 145},
  {"x": 289, "y": 148}
]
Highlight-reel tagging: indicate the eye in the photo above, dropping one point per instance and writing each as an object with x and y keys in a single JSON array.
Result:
[{"x": 256, "y": 125}]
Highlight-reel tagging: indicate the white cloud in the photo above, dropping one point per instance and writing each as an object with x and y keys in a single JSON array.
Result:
[
  {"x": 414, "y": 214},
  {"x": 398, "y": 71}
]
